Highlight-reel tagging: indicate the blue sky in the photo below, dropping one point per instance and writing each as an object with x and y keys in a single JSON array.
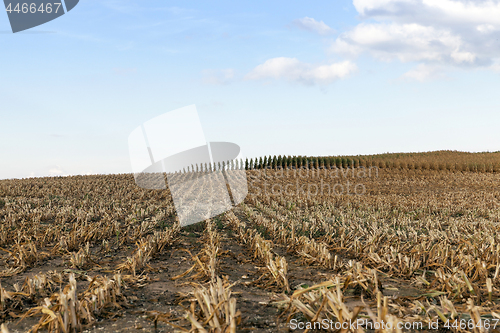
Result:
[{"x": 275, "y": 77}]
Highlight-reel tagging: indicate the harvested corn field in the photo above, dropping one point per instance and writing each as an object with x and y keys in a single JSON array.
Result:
[{"x": 352, "y": 247}]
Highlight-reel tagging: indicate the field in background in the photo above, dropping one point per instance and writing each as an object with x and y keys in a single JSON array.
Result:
[
  {"x": 414, "y": 240},
  {"x": 436, "y": 160}
]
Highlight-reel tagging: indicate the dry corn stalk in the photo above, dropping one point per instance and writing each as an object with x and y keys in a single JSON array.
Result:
[
  {"x": 216, "y": 309},
  {"x": 147, "y": 248},
  {"x": 67, "y": 311},
  {"x": 324, "y": 301},
  {"x": 4, "y": 296},
  {"x": 276, "y": 269},
  {"x": 391, "y": 322},
  {"x": 4, "y": 328},
  {"x": 205, "y": 263}
]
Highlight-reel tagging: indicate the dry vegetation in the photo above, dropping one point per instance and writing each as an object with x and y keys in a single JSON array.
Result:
[{"x": 98, "y": 253}]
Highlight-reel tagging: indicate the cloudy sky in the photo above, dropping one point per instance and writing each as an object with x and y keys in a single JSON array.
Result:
[{"x": 275, "y": 77}]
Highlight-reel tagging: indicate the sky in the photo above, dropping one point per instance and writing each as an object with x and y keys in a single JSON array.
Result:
[{"x": 275, "y": 77}]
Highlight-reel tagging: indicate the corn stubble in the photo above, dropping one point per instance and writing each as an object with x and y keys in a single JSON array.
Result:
[
  {"x": 211, "y": 309},
  {"x": 441, "y": 242},
  {"x": 48, "y": 218},
  {"x": 421, "y": 245}
]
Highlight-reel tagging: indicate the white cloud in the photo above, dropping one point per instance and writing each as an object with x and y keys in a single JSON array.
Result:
[
  {"x": 486, "y": 28},
  {"x": 458, "y": 33},
  {"x": 495, "y": 67},
  {"x": 57, "y": 171},
  {"x": 292, "y": 69},
  {"x": 466, "y": 11},
  {"x": 423, "y": 73},
  {"x": 310, "y": 24},
  {"x": 49, "y": 171},
  {"x": 435, "y": 11},
  {"x": 405, "y": 42},
  {"x": 222, "y": 76}
]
